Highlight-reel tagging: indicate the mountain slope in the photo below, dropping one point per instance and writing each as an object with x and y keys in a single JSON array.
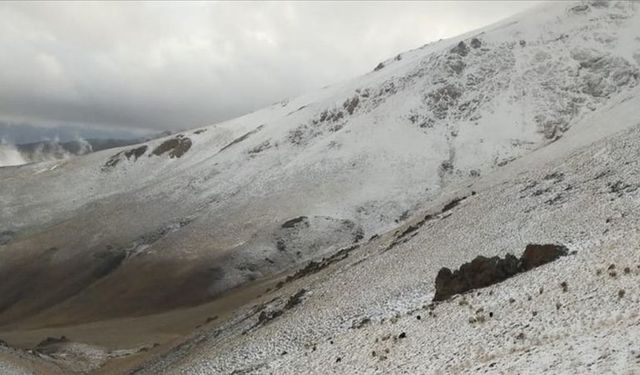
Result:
[
  {"x": 372, "y": 313},
  {"x": 179, "y": 220}
]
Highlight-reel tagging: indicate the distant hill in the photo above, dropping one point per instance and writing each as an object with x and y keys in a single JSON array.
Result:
[{"x": 76, "y": 147}]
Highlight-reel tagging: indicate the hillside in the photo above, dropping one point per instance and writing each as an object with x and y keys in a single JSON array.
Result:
[
  {"x": 371, "y": 312},
  {"x": 523, "y": 124}
]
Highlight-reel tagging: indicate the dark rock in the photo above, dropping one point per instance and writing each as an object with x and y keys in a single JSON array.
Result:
[
  {"x": 313, "y": 266},
  {"x": 475, "y": 43},
  {"x": 620, "y": 188},
  {"x": 554, "y": 200},
  {"x": 536, "y": 255},
  {"x": 580, "y": 8},
  {"x": 483, "y": 271},
  {"x": 452, "y": 204},
  {"x": 297, "y": 136},
  {"x": 599, "y": 3},
  {"x": 358, "y": 235},
  {"x": 412, "y": 228},
  {"x": 295, "y": 299},
  {"x": 112, "y": 162},
  {"x": 267, "y": 316},
  {"x": 540, "y": 192},
  {"x": 360, "y": 323},
  {"x": 461, "y": 49},
  {"x": 136, "y": 152},
  {"x": 351, "y": 104},
  {"x": 378, "y": 67},
  {"x": 457, "y": 65},
  {"x": 176, "y": 147},
  {"x": 242, "y": 138},
  {"x": 446, "y": 167},
  {"x": 557, "y": 176},
  {"x": 444, "y": 98},
  {"x": 292, "y": 222}
]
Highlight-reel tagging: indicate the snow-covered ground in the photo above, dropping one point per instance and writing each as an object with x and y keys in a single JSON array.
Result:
[
  {"x": 357, "y": 158},
  {"x": 587, "y": 201},
  {"x": 537, "y": 114}
]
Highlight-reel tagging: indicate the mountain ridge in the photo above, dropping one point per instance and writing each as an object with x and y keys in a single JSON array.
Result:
[{"x": 356, "y": 158}]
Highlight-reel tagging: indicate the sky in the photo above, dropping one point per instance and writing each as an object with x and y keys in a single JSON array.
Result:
[{"x": 149, "y": 67}]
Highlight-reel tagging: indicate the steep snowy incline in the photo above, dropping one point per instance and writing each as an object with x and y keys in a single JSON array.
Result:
[
  {"x": 179, "y": 220},
  {"x": 371, "y": 312}
]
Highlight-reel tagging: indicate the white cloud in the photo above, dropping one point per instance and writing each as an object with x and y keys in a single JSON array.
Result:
[{"x": 179, "y": 65}]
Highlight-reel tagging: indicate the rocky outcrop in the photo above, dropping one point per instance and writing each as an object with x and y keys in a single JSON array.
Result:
[
  {"x": 483, "y": 271},
  {"x": 461, "y": 49},
  {"x": 270, "y": 313},
  {"x": 134, "y": 153},
  {"x": 176, "y": 147},
  {"x": 537, "y": 255}
]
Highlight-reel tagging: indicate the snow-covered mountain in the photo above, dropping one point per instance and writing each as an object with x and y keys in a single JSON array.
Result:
[
  {"x": 350, "y": 161},
  {"x": 183, "y": 219}
]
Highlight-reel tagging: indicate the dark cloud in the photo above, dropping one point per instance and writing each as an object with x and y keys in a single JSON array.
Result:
[{"x": 181, "y": 65}]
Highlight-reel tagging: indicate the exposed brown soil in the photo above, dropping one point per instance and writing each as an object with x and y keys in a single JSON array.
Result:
[{"x": 143, "y": 336}]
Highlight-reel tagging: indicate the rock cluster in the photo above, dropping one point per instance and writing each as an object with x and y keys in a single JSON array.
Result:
[
  {"x": 176, "y": 147},
  {"x": 483, "y": 271}
]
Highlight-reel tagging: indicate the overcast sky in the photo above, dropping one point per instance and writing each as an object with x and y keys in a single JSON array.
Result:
[{"x": 182, "y": 65}]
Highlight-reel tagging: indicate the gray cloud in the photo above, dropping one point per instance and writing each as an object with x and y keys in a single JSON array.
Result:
[{"x": 180, "y": 65}]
